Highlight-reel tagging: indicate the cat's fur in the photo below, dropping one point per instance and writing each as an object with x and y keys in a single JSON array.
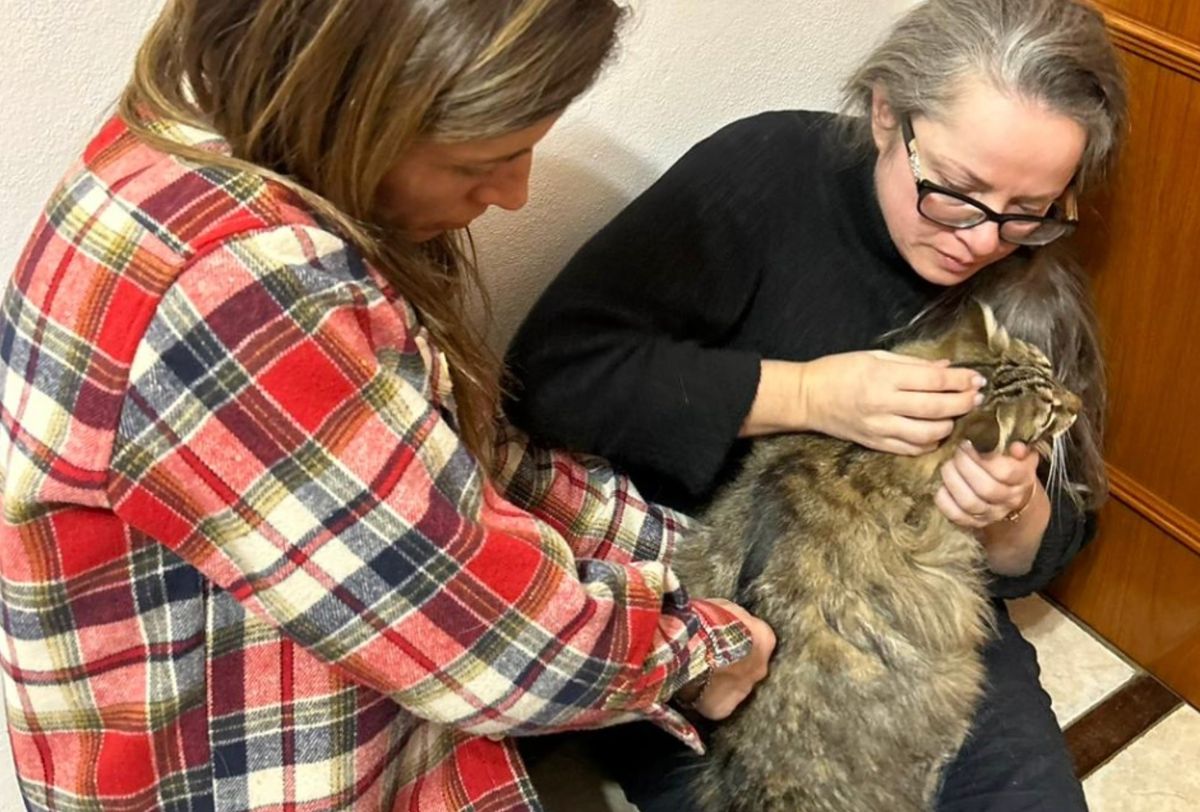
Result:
[{"x": 877, "y": 600}]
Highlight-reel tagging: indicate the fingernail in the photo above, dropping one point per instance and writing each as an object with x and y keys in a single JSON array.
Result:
[
  {"x": 980, "y": 381},
  {"x": 978, "y": 398},
  {"x": 967, "y": 444}
]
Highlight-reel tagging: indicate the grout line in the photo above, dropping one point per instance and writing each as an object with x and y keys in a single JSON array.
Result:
[
  {"x": 1108, "y": 694},
  {"x": 1097, "y": 736},
  {"x": 1136, "y": 739}
]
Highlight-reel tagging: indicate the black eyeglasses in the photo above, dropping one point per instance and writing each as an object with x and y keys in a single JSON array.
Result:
[{"x": 949, "y": 208}]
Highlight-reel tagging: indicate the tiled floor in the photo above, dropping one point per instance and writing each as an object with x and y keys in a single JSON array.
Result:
[{"x": 1136, "y": 745}]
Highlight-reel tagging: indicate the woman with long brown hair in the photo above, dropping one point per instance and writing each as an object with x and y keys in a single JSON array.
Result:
[{"x": 265, "y": 543}]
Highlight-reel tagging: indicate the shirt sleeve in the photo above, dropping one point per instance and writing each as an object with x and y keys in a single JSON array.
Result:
[
  {"x": 280, "y": 433},
  {"x": 598, "y": 511},
  {"x": 1069, "y": 530},
  {"x": 627, "y": 353}
]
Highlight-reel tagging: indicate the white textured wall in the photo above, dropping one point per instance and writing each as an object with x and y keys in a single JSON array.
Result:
[
  {"x": 62, "y": 66},
  {"x": 687, "y": 67}
]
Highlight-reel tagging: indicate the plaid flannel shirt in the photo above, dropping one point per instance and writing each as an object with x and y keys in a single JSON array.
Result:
[{"x": 245, "y": 561}]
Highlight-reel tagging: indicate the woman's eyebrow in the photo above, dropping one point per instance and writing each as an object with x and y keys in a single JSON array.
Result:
[
  {"x": 501, "y": 159},
  {"x": 976, "y": 183},
  {"x": 959, "y": 172}
]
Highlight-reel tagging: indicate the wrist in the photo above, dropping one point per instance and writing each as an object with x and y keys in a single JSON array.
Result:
[
  {"x": 802, "y": 389},
  {"x": 779, "y": 404},
  {"x": 1011, "y": 547}
]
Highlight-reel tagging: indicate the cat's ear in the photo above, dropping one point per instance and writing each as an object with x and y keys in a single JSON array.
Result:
[
  {"x": 982, "y": 428},
  {"x": 986, "y": 330}
]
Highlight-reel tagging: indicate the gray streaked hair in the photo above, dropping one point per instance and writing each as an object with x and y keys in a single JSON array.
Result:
[{"x": 1057, "y": 53}]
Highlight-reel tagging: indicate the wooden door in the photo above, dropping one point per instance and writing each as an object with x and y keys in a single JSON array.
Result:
[{"x": 1138, "y": 584}]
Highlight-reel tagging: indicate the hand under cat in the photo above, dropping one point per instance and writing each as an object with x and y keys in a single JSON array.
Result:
[{"x": 979, "y": 490}]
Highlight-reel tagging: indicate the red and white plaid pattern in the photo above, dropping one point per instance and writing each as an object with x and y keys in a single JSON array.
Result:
[{"x": 245, "y": 561}]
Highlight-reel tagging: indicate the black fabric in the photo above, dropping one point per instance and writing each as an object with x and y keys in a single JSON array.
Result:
[
  {"x": 1015, "y": 759},
  {"x": 764, "y": 241}
]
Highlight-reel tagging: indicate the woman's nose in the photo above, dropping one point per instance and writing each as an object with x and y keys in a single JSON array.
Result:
[
  {"x": 508, "y": 188},
  {"x": 983, "y": 240}
]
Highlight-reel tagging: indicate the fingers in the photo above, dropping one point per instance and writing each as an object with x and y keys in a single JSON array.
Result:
[
  {"x": 936, "y": 405},
  {"x": 907, "y": 436},
  {"x": 897, "y": 358},
  {"x": 893, "y": 446},
  {"x": 1007, "y": 469},
  {"x": 959, "y": 502},
  {"x": 977, "y": 491},
  {"x": 928, "y": 377},
  {"x": 954, "y": 512}
]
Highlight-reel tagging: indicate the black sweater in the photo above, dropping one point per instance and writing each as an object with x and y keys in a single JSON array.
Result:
[{"x": 765, "y": 241}]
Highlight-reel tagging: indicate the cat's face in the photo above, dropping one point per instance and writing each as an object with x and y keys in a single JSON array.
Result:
[{"x": 1023, "y": 402}]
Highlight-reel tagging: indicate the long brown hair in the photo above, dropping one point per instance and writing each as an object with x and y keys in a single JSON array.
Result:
[
  {"x": 1053, "y": 51},
  {"x": 323, "y": 96}
]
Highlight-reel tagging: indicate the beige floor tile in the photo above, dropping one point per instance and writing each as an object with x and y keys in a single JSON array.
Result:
[
  {"x": 1157, "y": 773},
  {"x": 1078, "y": 671}
]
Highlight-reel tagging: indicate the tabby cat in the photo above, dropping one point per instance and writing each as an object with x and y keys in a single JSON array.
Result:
[{"x": 877, "y": 600}]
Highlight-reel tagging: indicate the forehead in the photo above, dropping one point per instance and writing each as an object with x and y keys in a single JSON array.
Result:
[
  {"x": 1012, "y": 142},
  {"x": 487, "y": 149}
]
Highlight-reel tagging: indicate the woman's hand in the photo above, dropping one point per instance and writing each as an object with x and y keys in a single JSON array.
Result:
[
  {"x": 728, "y": 687},
  {"x": 978, "y": 490},
  {"x": 885, "y": 401}
]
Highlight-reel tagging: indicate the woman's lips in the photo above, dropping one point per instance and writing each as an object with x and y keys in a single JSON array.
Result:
[{"x": 953, "y": 264}]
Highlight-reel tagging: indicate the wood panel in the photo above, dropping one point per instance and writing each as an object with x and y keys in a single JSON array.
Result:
[
  {"x": 1177, "y": 18},
  {"x": 1138, "y": 585},
  {"x": 1147, "y": 273},
  {"x": 1141, "y": 590}
]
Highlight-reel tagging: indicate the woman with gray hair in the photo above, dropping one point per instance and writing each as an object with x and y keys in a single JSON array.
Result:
[{"x": 755, "y": 287}]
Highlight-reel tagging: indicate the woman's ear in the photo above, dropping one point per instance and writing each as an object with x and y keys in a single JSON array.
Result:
[{"x": 883, "y": 119}]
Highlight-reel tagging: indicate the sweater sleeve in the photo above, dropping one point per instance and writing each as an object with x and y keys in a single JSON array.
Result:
[
  {"x": 281, "y": 434},
  {"x": 1069, "y": 530},
  {"x": 627, "y": 353}
]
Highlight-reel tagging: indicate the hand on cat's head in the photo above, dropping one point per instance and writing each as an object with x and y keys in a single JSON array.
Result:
[{"x": 884, "y": 400}]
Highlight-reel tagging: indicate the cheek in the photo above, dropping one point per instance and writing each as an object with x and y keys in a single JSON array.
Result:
[
  {"x": 1002, "y": 251},
  {"x": 898, "y": 199}
]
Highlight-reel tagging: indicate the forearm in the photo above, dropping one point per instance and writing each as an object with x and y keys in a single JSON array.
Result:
[
  {"x": 1012, "y": 546},
  {"x": 778, "y": 402},
  {"x": 599, "y": 512}
]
